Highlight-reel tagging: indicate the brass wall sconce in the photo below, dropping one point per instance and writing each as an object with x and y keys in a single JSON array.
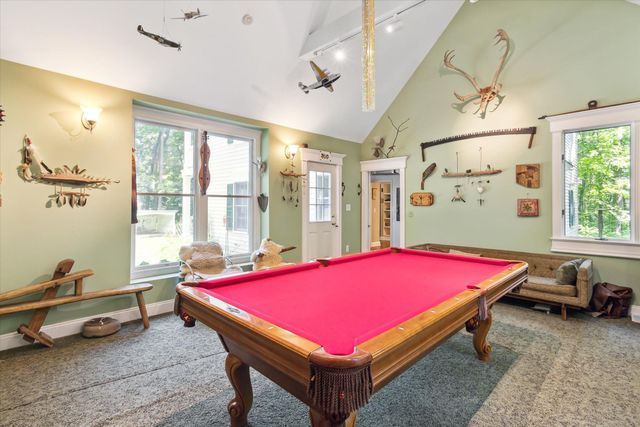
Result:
[{"x": 90, "y": 117}]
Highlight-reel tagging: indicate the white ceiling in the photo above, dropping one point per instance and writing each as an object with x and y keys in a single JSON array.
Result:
[{"x": 251, "y": 71}]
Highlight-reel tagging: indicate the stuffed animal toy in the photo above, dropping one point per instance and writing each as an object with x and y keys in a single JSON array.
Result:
[
  {"x": 268, "y": 255},
  {"x": 202, "y": 259}
]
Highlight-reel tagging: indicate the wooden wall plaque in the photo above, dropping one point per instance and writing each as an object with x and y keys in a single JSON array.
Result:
[
  {"x": 421, "y": 199},
  {"x": 528, "y": 175}
]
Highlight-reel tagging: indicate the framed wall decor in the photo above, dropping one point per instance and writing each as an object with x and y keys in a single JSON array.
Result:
[
  {"x": 528, "y": 207},
  {"x": 528, "y": 175}
]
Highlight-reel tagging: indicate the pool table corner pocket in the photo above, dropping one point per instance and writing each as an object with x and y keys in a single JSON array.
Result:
[{"x": 339, "y": 384}]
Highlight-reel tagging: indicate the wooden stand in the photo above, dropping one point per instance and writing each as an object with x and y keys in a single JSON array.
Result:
[{"x": 61, "y": 276}]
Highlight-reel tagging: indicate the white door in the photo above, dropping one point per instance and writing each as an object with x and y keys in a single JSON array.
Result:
[{"x": 323, "y": 229}]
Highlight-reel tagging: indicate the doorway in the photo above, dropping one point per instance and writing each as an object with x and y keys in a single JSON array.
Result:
[
  {"x": 384, "y": 209},
  {"x": 380, "y": 228},
  {"x": 321, "y": 204}
]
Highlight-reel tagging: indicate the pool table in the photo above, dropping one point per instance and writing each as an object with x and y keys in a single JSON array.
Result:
[{"x": 334, "y": 331}]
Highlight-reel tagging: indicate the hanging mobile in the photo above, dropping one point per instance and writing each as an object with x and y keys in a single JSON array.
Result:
[
  {"x": 458, "y": 196},
  {"x": 480, "y": 188}
]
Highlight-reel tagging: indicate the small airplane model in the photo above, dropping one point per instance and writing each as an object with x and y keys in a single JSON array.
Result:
[
  {"x": 323, "y": 77},
  {"x": 159, "y": 39},
  {"x": 191, "y": 15}
]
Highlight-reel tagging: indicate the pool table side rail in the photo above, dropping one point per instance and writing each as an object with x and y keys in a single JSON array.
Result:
[
  {"x": 274, "y": 351},
  {"x": 400, "y": 347}
]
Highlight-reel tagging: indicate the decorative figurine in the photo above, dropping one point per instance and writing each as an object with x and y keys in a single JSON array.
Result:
[{"x": 324, "y": 79}]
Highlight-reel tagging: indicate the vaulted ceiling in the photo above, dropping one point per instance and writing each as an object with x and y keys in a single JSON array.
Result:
[{"x": 248, "y": 70}]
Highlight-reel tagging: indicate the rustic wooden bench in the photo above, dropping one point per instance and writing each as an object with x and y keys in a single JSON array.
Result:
[{"x": 61, "y": 276}]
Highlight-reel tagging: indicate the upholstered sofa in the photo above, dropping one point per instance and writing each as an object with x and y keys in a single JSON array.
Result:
[{"x": 541, "y": 285}]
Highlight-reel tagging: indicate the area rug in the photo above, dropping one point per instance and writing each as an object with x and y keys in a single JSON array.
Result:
[{"x": 174, "y": 376}]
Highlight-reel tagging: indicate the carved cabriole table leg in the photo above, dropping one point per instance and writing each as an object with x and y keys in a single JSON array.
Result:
[
  {"x": 480, "y": 329},
  {"x": 320, "y": 420},
  {"x": 240, "y": 405}
]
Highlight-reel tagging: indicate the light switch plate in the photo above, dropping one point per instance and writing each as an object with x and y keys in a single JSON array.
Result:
[{"x": 347, "y": 207}]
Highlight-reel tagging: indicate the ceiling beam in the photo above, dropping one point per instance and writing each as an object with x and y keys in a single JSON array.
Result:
[{"x": 349, "y": 26}]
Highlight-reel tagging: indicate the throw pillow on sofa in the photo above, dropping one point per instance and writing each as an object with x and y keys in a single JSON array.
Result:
[{"x": 567, "y": 273}]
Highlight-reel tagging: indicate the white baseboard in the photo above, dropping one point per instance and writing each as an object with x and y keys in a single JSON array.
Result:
[
  {"x": 72, "y": 327},
  {"x": 635, "y": 313}
]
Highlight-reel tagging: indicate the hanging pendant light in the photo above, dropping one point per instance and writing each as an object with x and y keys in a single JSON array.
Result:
[{"x": 368, "y": 56}]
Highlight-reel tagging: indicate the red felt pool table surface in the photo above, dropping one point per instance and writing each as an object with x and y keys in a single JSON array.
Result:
[{"x": 353, "y": 298}]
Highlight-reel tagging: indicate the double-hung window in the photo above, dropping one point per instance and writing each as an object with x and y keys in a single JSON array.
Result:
[
  {"x": 596, "y": 189},
  {"x": 172, "y": 209}
]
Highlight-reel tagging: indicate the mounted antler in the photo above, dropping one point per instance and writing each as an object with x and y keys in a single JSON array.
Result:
[{"x": 483, "y": 95}]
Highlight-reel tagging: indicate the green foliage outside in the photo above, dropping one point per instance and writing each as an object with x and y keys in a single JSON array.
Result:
[
  {"x": 160, "y": 157},
  {"x": 604, "y": 174},
  {"x": 159, "y": 163}
]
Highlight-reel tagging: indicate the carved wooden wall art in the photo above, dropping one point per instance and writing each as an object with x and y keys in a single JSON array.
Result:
[
  {"x": 75, "y": 178},
  {"x": 528, "y": 175},
  {"x": 482, "y": 96},
  {"x": 421, "y": 199},
  {"x": 427, "y": 172},
  {"x": 528, "y": 207},
  {"x": 204, "y": 176}
]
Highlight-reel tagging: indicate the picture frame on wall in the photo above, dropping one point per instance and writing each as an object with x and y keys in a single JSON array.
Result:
[
  {"x": 528, "y": 175},
  {"x": 528, "y": 207}
]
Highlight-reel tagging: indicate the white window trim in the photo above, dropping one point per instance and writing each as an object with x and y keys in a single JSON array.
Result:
[
  {"x": 318, "y": 156},
  {"x": 608, "y": 116},
  {"x": 200, "y": 202}
]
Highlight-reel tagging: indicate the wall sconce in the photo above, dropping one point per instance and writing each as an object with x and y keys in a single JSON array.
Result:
[
  {"x": 290, "y": 152},
  {"x": 90, "y": 117}
]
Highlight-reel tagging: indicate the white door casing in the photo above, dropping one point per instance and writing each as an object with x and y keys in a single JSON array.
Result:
[
  {"x": 368, "y": 166},
  {"x": 323, "y": 238}
]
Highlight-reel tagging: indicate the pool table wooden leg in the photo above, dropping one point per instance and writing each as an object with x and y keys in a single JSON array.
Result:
[
  {"x": 320, "y": 420},
  {"x": 240, "y": 405},
  {"x": 480, "y": 330}
]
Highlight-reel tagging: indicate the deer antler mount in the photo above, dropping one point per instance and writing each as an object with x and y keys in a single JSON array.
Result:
[{"x": 482, "y": 96}]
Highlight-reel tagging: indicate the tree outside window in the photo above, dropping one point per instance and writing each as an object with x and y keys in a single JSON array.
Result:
[{"x": 597, "y": 176}]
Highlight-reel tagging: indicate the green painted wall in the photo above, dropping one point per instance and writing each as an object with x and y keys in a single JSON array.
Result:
[
  {"x": 34, "y": 237},
  {"x": 566, "y": 53}
]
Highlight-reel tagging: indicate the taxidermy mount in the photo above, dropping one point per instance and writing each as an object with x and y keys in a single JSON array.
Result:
[{"x": 482, "y": 95}]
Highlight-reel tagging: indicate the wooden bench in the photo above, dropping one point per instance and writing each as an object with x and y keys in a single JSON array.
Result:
[{"x": 61, "y": 276}]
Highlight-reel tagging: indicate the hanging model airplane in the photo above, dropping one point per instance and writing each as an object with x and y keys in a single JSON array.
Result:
[
  {"x": 159, "y": 39},
  {"x": 191, "y": 15},
  {"x": 323, "y": 77}
]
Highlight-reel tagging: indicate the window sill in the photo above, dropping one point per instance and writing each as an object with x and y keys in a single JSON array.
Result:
[
  {"x": 608, "y": 248},
  {"x": 246, "y": 267},
  {"x": 154, "y": 278}
]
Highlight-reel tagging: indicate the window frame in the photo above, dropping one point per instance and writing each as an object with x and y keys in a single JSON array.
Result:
[
  {"x": 200, "y": 204},
  {"x": 329, "y": 189},
  {"x": 619, "y": 115},
  {"x": 235, "y": 206}
]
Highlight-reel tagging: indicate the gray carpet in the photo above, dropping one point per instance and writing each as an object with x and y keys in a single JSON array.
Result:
[{"x": 543, "y": 372}]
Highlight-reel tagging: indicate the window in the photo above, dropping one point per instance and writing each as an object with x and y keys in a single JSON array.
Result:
[
  {"x": 230, "y": 196},
  {"x": 240, "y": 207},
  {"x": 171, "y": 209},
  {"x": 164, "y": 175},
  {"x": 595, "y": 181},
  {"x": 319, "y": 196}
]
